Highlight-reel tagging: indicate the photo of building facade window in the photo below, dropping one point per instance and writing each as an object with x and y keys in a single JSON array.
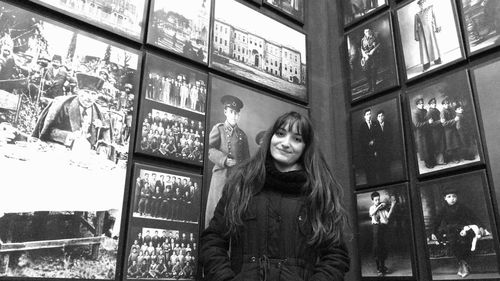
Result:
[
  {"x": 268, "y": 52},
  {"x": 122, "y": 16}
]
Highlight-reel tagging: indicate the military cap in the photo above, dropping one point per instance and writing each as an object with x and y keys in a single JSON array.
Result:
[
  {"x": 433, "y": 100},
  {"x": 260, "y": 137},
  {"x": 89, "y": 82},
  {"x": 446, "y": 99},
  {"x": 232, "y": 102},
  {"x": 419, "y": 99},
  {"x": 56, "y": 58}
]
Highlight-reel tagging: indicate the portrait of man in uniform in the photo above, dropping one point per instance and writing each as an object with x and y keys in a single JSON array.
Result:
[
  {"x": 228, "y": 146},
  {"x": 239, "y": 116}
]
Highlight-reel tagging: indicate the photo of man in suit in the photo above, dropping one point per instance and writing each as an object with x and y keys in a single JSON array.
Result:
[
  {"x": 56, "y": 78},
  {"x": 367, "y": 134}
]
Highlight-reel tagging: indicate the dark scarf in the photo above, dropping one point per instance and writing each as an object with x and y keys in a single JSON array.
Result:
[{"x": 286, "y": 182}]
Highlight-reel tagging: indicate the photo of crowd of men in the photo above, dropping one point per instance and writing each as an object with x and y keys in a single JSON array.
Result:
[
  {"x": 357, "y": 9},
  {"x": 171, "y": 136},
  {"x": 174, "y": 84},
  {"x": 430, "y": 35},
  {"x": 66, "y": 107},
  {"x": 166, "y": 195},
  {"x": 385, "y": 229},
  {"x": 181, "y": 27},
  {"x": 459, "y": 230},
  {"x": 444, "y": 124},
  {"x": 164, "y": 254},
  {"x": 482, "y": 24},
  {"x": 372, "y": 57},
  {"x": 377, "y": 143}
]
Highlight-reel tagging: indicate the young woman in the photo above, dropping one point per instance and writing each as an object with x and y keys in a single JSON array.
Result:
[{"x": 280, "y": 216}]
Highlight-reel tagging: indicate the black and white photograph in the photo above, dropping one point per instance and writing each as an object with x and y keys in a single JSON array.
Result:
[
  {"x": 239, "y": 118},
  {"x": 174, "y": 84},
  {"x": 355, "y": 10},
  {"x": 460, "y": 235},
  {"x": 485, "y": 79},
  {"x": 170, "y": 135},
  {"x": 162, "y": 253},
  {"x": 430, "y": 35},
  {"x": 385, "y": 232},
  {"x": 124, "y": 17},
  {"x": 258, "y": 48},
  {"x": 444, "y": 124},
  {"x": 378, "y": 152},
  {"x": 181, "y": 27},
  {"x": 372, "y": 57},
  {"x": 166, "y": 195},
  {"x": 66, "y": 108},
  {"x": 481, "y": 20},
  {"x": 292, "y": 8}
]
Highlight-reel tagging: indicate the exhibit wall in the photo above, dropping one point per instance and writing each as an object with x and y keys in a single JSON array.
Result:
[
  {"x": 420, "y": 80},
  {"x": 110, "y": 121}
]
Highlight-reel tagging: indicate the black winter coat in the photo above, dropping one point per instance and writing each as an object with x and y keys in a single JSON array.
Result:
[{"x": 272, "y": 243}]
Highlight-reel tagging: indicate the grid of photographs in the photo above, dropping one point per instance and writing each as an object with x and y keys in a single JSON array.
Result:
[
  {"x": 66, "y": 110},
  {"x": 448, "y": 120}
]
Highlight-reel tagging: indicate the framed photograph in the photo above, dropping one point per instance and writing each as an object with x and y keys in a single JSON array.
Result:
[
  {"x": 385, "y": 232},
  {"x": 181, "y": 27},
  {"x": 486, "y": 85},
  {"x": 459, "y": 229},
  {"x": 66, "y": 107},
  {"x": 430, "y": 36},
  {"x": 355, "y": 10},
  {"x": 239, "y": 117},
  {"x": 378, "y": 150},
  {"x": 161, "y": 252},
  {"x": 291, "y": 8},
  {"x": 481, "y": 24},
  {"x": 258, "y": 2},
  {"x": 257, "y": 48},
  {"x": 124, "y": 17},
  {"x": 444, "y": 124},
  {"x": 372, "y": 57},
  {"x": 166, "y": 195}
]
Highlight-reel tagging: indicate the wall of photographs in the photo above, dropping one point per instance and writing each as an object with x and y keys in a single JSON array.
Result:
[
  {"x": 120, "y": 119},
  {"x": 421, "y": 76}
]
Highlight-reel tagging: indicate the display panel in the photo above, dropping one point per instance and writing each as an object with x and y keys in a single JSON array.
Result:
[
  {"x": 355, "y": 10},
  {"x": 252, "y": 113},
  {"x": 430, "y": 35},
  {"x": 67, "y": 103},
  {"x": 181, "y": 27},
  {"x": 459, "y": 230},
  {"x": 292, "y": 8},
  {"x": 257, "y": 48},
  {"x": 378, "y": 153},
  {"x": 172, "y": 113},
  {"x": 372, "y": 57},
  {"x": 385, "y": 232},
  {"x": 125, "y": 17},
  {"x": 481, "y": 20},
  {"x": 486, "y": 85},
  {"x": 444, "y": 124}
]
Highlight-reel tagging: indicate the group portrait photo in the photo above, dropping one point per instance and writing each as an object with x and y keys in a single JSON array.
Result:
[
  {"x": 66, "y": 108},
  {"x": 444, "y": 124},
  {"x": 377, "y": 143}
]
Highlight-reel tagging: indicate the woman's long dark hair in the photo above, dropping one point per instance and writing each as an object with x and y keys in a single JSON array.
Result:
[{"x": 325, "y": 212}]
